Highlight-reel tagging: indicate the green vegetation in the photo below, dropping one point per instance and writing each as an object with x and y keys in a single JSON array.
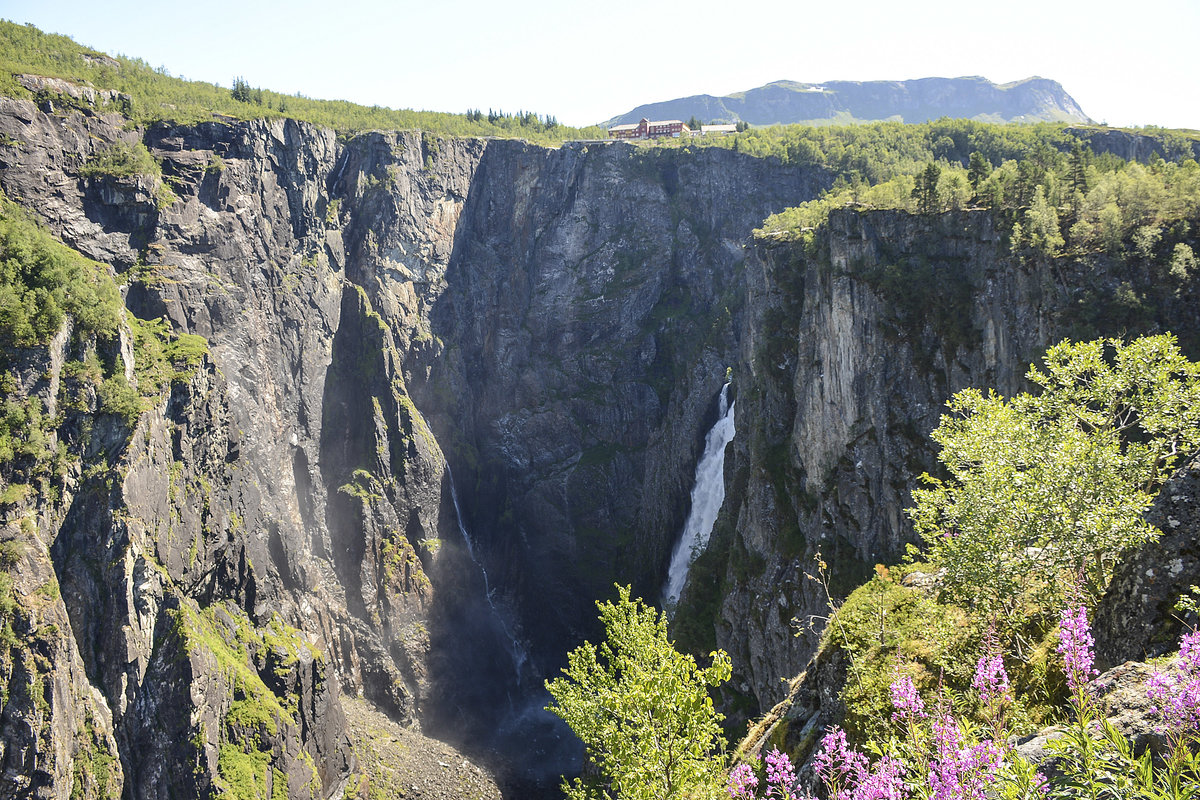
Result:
[
  {"x": 245, "y": 655},
  {"x": 43, "y": 284},
  {"x": 889, "y": 627},
  {"x": 642, "y": 710},
  {"x": 150, "y": 95},
  {"x": 874, "y": 153},
  {"x": 363, "y": 485},
  {"x": 94, "y": 764},
  {"x": 42, "y": 281},
  {"x": 121, "y": 160},
  {"x": 243, "y": 773},
  {"x": 162, "y": 357},
  {"x": 1053, "y": 191},
  {"x": 1047, "y": 491},
  {"x": 1042, "y": 495}
]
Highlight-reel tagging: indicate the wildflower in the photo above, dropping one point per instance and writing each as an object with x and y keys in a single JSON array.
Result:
[
  {"x": 906, "y": 700},
  {"x": 885, "y": 782},
  {"x": 1176, "y": 693},
  {"x": 1075, "y": 645},
  {"x": 781, "y": 776},
  {"x": 991, "y": 679},
  {"x": 958, "y": 772},
  {"x": 838, "y": 766},
  {"x": 742, "y": 782}
]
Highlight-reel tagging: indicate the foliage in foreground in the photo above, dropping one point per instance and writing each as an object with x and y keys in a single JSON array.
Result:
[
  {"x": 1051, "y": 487},
  {"x": 937, "y": 753},
  {"x": 642, "y": 709},
  {"x": 1048, "y": 490}
]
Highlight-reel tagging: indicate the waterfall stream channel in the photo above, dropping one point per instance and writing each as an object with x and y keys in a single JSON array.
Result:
[{"x": 708, "y": 493}]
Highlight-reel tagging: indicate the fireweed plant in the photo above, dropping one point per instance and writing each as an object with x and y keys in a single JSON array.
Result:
[{"x": 935, "y": 753}]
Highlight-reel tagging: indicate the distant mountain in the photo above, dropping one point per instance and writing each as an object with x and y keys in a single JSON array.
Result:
[{"x": 1031, "y": 100}]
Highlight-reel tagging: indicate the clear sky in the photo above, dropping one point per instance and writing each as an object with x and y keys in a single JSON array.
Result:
[{"x": 584, "y": 62}]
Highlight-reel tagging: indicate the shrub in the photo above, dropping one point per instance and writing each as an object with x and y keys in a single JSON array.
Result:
[
  {"x": 1047, "y": 490},
  {"x": 642, "y": 709}
]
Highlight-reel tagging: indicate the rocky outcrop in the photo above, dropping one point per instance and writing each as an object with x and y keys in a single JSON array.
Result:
[
  {"x": 1139, "y": 616},
  {"x": 1140, "y": 146},
  {"x": 853, "y": 344}
]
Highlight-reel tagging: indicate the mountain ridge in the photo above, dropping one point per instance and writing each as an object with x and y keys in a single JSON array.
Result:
[{"x": 1034, "y": 99}]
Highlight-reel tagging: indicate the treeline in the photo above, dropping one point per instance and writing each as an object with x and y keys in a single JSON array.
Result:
[
  {"x": 876, "y": 152},
  {"x": 522, "y": 120},
  {"x": 1055, "y": 192},
  {"x": 155, "y": 95}
]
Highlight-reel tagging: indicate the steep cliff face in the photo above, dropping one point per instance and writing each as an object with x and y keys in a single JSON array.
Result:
[
  {"x": 589, "y": 321},
  {"x": 279, "y": 527},
  {"x": 851, "y": 347},
  {"x": 453, "y": 390}
]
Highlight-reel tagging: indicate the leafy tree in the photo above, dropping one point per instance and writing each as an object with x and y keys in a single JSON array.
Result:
[
  {"x": 642, "y": 710},
  {"x": 1041, "y": 225},
  {"x": 241, "y": 90},
  {"x": 1081, "y": 159},
  {"x": 926, "y": 191},
  {"x": 1047, "y": 490},
  {"x": 1183, "y": 262},
  {"x": 978, "y": 168}
]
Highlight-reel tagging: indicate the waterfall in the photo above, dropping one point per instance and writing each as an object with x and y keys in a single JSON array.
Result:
[
  {"x": 708, "y": 494},
  {"x": 516, "y": 650}
]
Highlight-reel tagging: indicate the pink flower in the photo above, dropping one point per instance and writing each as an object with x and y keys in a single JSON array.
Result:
[
  {"x": 885, "y": 782},
  {"x": 1176, "y": 693},
  {"x": 1075, "y": 644},
  {"x": 781, "y": 776},
  {"x": 906, "y": 700},
  {"x": 742, "y": 782},
  {"x": 958, "y": 772},
  {"x": 838, "y": 766},
  {"x": 991, "y": 680}
]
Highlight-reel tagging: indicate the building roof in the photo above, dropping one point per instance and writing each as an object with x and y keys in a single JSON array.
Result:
[{"x": 629, "y": 127}]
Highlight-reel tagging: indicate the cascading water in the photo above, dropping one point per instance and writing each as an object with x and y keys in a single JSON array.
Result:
[
  {"x": 507, "y": 719},
  {"x": 708, "y": 494},
  {"x": 519, "y": 656}
]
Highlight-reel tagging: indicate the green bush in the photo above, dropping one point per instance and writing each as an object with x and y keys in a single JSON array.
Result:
[
  {"x": 42, "y": 280},
  {"x": 122, "y": 160},
  {"x": 642, "y": 709},
  {"x": 1048, "y": 490},
  {"x": 118, "y": 398}
]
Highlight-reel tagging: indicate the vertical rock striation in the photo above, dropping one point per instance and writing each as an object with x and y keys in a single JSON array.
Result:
[{"x": 275, "y": 528}]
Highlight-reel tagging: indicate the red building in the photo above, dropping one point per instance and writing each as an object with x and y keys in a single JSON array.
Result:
[{"x": 648, "y": 130}]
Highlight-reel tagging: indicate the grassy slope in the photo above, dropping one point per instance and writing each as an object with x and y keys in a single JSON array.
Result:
[{"x": 155, "y": 95}]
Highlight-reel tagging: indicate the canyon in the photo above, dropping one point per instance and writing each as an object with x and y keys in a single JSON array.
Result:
[{"x": 455, "y": 390}]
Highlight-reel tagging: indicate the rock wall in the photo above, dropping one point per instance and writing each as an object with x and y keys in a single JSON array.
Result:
[
  {"x": 850, "y": 349},
  {"x": 553, "y": 324},
  {"x": 454, "y": 390}
]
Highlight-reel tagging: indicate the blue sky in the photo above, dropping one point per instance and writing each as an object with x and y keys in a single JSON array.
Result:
[{"x": 585, "y": 62}]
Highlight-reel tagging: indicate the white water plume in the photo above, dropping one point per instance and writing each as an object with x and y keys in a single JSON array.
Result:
[{"x": 708, "y": 494}]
